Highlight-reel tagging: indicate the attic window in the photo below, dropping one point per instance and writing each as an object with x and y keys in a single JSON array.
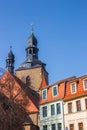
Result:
[
  {"x": 55, "y": 90},
  {"x": 73, "y": 87},
  {"x": 44, "y": 94},
  {"x": 85, "y": 84}
]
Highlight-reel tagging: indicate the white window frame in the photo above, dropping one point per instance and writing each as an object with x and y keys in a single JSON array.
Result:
[
  {"x": 43, "y": 92},
  {"x": 84, "y": 84},
  {"x": 53, "y": 91},
  {"x": 51, "y": 109},
  {"x": 60, "y": 108},
  {"x": 75, "y": 87},
  {"x": 44, "y": 116}
]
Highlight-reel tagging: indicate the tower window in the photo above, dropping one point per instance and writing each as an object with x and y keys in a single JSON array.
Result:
[
  {"x": 30, "y": 51},
  {"x": 28, "y": 80}
]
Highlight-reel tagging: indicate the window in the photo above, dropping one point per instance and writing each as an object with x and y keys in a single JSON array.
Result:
[
  {"x": 78, "y": 105},
  {"x": 52, "y": 109},
  {"x": 44, "y": 94},
  {"x": 53, "y": 127},
  {"x": 70, "y": 107},
  {"x": 80, "y": 126},
  {"x": 28, "y": 80},
  {"x": 45, "y": 127},
  {"x": 59, "y": 126},
  {"x": 55, "y": 89},
  {"x": 86, "y": 103},
  {"x": 71, "y": 126},
  {"x": 45, "y": 111},
  {"x": 85, "y": 84},
  {"x": 73, "y": 88},
  {"x": 58, "y": 108}
]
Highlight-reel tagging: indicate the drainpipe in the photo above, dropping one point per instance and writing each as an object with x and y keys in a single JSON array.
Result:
[{"x": 63, "y": 104}]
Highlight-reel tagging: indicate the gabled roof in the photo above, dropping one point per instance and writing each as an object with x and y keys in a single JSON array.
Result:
[
  {"x": 43, "y": 83},
  {"x": 14, "y": 88}
]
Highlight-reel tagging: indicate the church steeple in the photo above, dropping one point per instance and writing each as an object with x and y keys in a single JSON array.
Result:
[
  {"x": 32, "y": 69},
  {"x": 10, "y": 61},
  {"x": 32, "y": 50},
  {"x": 32, "y": 59}
]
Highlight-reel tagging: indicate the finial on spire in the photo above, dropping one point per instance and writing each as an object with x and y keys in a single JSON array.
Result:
[
  {"x": 32, "y": 27},
  {"x": 10, "y": 48}
]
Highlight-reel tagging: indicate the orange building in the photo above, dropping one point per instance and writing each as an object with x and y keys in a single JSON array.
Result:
[{"x": 51, "y": 106}]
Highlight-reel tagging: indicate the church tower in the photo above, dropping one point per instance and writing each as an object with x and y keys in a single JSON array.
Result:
[
  {"x": 10, "y": 61},
  {"x": 32, "y": 68}
]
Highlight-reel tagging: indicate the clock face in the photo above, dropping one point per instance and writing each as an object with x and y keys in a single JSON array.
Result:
[{"x": 28, "y": 65}]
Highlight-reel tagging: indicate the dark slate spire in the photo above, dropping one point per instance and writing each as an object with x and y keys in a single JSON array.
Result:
[
  {"x": 31, "y": 54},
  {"x": 10, "y": 61},
  {"x": 32, "y": 50}
]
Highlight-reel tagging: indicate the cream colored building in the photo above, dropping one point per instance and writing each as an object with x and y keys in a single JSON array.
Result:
[
  {"x": 75, "y": 104},
  {"x": 76, "y": 119}
]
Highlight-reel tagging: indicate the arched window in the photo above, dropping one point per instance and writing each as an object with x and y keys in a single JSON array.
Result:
[{"x": 28, "y": 80}]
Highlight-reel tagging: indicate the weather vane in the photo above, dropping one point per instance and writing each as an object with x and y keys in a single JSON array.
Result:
[{"x": 32, "y": 27}]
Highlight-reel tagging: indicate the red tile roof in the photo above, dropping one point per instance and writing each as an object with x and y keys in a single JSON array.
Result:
[
  {"x": 79, "y": 89},
  {"x": 12, "y": 86},
  {"x": 50, "y": 97},
  {"x": 43, "y": 83},
  {"x": 64, "y": 90}
]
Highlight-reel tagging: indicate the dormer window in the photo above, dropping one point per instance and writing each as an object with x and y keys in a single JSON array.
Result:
[
  {"x": 85, "y": 84},
  {"x": 44, "y": 94},
  {"x": 55, "y": 90},
  {"x": 73, "y": 87}
]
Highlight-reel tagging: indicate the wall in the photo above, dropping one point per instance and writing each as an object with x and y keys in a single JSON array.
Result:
[
  {"x": 76, "y": 117},
  {"x": 35, "y": 75},
  {"x": 55, "y": 119}
]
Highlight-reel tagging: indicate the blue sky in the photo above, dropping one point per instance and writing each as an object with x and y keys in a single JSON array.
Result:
[{"x": 61, "y": 30}]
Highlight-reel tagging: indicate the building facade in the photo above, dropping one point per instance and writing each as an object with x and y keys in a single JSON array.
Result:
[
  {"x": 51, "y": 107},
  {"x": 75, "y": 104},
  {"x": 59, "y": 106}
]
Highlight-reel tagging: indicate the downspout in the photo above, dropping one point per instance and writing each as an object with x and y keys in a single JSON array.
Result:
[{"x": 63, "y": 104}]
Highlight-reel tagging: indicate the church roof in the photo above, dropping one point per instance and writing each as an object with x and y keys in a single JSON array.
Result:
[
  {"x": 16, "y": 89},
  {"x": 32, "y": 41},
  {"x": 10, "y": 54}
]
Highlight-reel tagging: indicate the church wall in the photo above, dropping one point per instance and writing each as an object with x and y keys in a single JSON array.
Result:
[
  {"x": 34, "y": 118},
  {"x": 35, "y": 75}
]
